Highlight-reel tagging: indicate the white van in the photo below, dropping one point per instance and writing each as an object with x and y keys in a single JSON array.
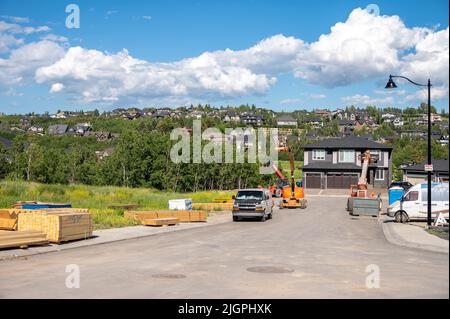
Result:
[{"x": 413, "y": 205}]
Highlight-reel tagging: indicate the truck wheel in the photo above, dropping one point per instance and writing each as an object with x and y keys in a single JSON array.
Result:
[
  {"x": 270, "y": 216},
  {"x": 263, "y": 218},
  {"x": 401, "y": 217},
  {"x": 235, "y": 218}
]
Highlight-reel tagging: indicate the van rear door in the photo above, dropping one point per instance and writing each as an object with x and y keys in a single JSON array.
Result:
[{"x": 439, "y": 199}]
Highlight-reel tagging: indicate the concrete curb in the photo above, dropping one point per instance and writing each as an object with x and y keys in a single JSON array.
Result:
[
  {"x": 395, "y": 238},
  {"x": 38, "y": 250}
]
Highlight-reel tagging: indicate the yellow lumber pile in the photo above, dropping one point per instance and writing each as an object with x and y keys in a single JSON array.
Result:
[
  {"x": 160, "y": 221},
  {"x": 21, "y": 239},
  {"x": 9, "y": 217},
  {"x": 59, "y": 226},
  {"x": 184, "y": 216},
  {"x": 213, "y": 206}
]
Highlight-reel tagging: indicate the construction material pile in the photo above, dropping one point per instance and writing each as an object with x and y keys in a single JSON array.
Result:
[
  {"x": 59, "y": 226},
  {"x": 22, "y": 239},
  {"x": 172, "y": 216},
  {"x": 9, "y": 217},
  {"x": 43, "y": 223}
]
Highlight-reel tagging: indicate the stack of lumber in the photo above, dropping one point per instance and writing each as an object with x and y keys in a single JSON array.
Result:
[
  {"x": 21, "y": 239},
  {"x": 213, "y": 206},
  {"x": 9, "y": 217},
  {"x": 160, "y": 221},
  {"x": 184, "y": 216},
  {"x": 58, "y": 226}
]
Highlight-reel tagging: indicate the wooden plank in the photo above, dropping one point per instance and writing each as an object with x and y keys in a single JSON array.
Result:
[
  {"x": 160, "y": 221},
  {"x": 14, "y": 239},
  {"x": 184, "y": 216}
]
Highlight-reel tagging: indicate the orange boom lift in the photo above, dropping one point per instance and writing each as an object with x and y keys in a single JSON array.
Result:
[{"x": 293, "y": 194}]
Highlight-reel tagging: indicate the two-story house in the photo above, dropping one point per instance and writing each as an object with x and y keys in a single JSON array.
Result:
[{"x": 336, "y": 163}]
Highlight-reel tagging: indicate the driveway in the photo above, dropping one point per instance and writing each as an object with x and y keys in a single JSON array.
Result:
[{"x": 319, "y": 252}]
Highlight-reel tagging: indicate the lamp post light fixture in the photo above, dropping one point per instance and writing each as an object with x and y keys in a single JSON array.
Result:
[{"x": 391, "y": 85}]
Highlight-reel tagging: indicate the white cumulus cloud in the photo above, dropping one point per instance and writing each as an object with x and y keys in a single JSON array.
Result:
[{"x": 365, "y": 46}]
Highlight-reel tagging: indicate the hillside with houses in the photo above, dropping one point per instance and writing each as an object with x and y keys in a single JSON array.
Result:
[{"x": 93, "y": 140}]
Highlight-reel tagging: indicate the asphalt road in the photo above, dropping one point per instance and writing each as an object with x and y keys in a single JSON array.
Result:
[{"x": 322, "y": 252}]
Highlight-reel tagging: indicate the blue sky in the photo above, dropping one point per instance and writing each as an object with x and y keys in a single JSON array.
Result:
[{"x": 296, "y": 70}]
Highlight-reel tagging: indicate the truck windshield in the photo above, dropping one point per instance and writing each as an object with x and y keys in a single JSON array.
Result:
[{"x": 257, "y": 195}]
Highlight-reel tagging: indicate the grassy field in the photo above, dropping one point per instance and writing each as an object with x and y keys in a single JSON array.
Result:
[
  {"x": 287, "y": 168},
  {"x": 97, "y": 199}
]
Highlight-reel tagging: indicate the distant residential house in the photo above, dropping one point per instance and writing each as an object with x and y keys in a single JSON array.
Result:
[
  {"x": 286, "y": 120},
  {"x": 421, "y": 121},
  {"x": 323, "y": 113},
  {"x": 252, "y": 119},
  {"x": 336, "y": 163},
  {"x": 312, "y": 135},
  {"x": 196, "y": 115},
  {"x": 315, "y": 122},
  {"x": 58, "y": 129},
  {"x": 231, "y": 117},
  {"x": 413, "y": 133},
  {"x": 131, "y": 116},
  {"x": 36, "y": 129},
  {"x": 443, "y": 140},
  {"x": 416, "y": 174},
  {"x": 346, "y": 126},
  {"x": 397, "y": 122},
  {"x": 81, "y": 128},
  {"x": 434, "y": 118},
  {"x": 161, "y": 114},
  {"x": 60, "y": 115}
]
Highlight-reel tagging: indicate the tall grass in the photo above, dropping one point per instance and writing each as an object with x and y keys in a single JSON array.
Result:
[{"x": 98, "y": 198}]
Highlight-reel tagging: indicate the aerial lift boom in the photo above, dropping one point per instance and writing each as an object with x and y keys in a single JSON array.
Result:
[{"x": 293, "y": 194}]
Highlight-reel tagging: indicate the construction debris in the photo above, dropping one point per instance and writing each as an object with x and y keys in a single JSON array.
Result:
[
  {"x": 184, "y": 216},
  {"x": 59, "y": 226},
  {"x": 157, "y": 222},
  {"x": 21, "y": 239}
]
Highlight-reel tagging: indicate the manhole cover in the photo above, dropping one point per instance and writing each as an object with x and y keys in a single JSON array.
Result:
[
  {"x": 169, "y": 276},
  {"x": 270, "y": 269}
]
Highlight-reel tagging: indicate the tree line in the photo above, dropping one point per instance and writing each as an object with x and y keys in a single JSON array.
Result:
[{"x": 140, "y": 158}]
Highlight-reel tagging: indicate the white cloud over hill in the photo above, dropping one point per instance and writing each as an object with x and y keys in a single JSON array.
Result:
[{"x": 365, "y": 46}]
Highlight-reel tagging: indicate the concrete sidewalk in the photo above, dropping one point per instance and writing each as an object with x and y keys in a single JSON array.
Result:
[
  {"x": 113, "y": 235},
  {"x": 413, "y": 236}
]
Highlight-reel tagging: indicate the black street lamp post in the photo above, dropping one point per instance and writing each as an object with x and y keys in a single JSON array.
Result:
[{"x": 391, "y": 85}]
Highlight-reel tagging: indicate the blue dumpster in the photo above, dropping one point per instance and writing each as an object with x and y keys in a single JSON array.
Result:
[{"x": 395, "y": 194}]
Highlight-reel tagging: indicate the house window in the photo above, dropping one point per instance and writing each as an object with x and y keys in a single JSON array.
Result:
[
  {"x": 346, "y": 156},
  {"x": 318, "y": 155},
  {"x": 376, "y": 155},
  {"x": 379, "y": 175}
]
